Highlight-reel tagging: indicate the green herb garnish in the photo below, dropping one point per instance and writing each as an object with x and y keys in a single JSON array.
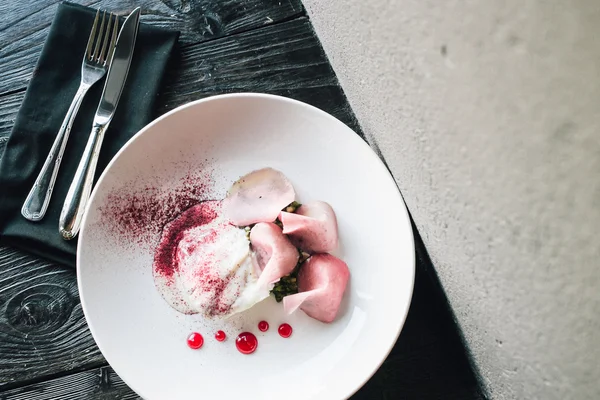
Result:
[
  {"x": 292, "y": 207},
  {"x": 288, "y": 284}
]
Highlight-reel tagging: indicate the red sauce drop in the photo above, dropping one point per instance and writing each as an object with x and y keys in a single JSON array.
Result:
[
  {"x": 263, "y": 326},
  {"x": 285, "y": 330},
  {"x": 195, "y": 340},
  {"x": 220, "y": 336},
  {"x": 246, "y": 343}
]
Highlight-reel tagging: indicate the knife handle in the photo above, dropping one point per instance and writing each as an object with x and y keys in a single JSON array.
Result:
[
  {"x": 35, "y": 205},
  {"x": 81, "y": 187}
]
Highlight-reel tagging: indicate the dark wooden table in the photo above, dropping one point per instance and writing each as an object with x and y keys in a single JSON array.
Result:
[{"x": 46, "y": 349}]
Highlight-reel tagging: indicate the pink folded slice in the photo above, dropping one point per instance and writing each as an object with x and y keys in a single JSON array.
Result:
[
  {"x": 258, "y": 197},
  {"x": 322, "y": 281},
  {"x": 275, "y": 255},
  {"x": 313, "y": 227}
]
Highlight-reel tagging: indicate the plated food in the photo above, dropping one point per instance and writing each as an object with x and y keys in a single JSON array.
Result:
[
  {"x": 222, "y": 257},
  {"x": 189, "y": 158}
]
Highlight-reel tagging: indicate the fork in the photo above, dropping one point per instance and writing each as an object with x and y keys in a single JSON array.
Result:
[{"x": 96, "y": 61}]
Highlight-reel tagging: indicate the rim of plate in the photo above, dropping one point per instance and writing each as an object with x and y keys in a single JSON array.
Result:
[{"x": 354, "y": 387}]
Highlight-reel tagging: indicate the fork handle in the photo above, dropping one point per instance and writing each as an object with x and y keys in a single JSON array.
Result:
[
  {"x": 35, "y": 205},
  {"x": 81, "y": 187}
]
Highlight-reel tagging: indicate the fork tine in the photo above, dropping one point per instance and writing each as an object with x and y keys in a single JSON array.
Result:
[
  {"x": 100, "y": 32},
  {"x": 88, "y": 49},
  {"x": 102, "y": 58},
  {"x": 113, "y": 40}
]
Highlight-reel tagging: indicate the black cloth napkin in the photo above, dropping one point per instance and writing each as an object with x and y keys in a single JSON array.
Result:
[{"x": 51, "y": 89}]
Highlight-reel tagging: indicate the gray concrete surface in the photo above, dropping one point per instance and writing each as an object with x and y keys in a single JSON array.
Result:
[{"x": 488, "y": 114}]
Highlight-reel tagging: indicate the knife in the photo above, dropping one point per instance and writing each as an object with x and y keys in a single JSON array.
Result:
[{"x": 81, "y": 187}]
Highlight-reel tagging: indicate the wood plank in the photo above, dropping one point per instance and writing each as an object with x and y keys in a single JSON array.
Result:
[
  {"x": 25, "y": 25},
  {"x": 427, "y": 362},
  {"x": 42, "y": 328},
  {"x": 285, "y": 59},
  {"x": 101, "y": 383}
]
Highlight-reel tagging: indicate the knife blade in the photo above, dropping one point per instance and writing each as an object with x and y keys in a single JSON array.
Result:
[
  {"x": 75, "y": 204},
  {"x": 119, "y": 68}
]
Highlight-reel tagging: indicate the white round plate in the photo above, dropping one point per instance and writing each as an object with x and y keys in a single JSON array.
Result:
[{"x": 227, "y": 136}]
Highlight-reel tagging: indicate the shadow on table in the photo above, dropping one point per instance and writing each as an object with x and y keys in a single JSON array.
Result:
[{"x": 429, "y": 360}]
